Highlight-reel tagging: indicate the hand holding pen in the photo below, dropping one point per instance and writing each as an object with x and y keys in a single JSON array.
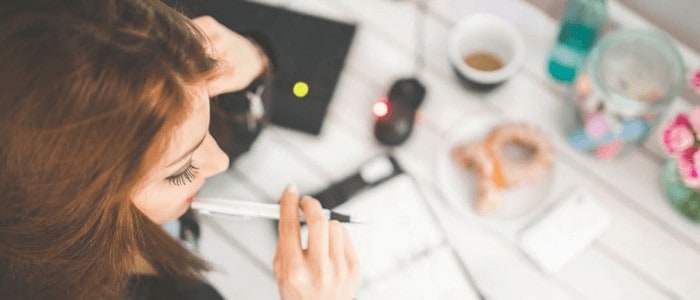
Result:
[{"x": 327, "y": 269}]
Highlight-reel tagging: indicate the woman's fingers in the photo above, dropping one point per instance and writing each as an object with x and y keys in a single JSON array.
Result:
[
  {"x": 240, "y": 60},
  {"x": 349, "y": 251},
  {"x": 327, "y": 270},
  {"x": 336, "y": 240},
  {"x": 318, "y": 228},
  {"x": 336, "y": 245},
  {"x": 289, "y": 238}
]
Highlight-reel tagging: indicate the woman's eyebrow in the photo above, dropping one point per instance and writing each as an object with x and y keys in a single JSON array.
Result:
[{"x": 187, "y": 153}]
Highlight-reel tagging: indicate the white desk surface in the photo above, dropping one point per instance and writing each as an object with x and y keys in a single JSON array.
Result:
[{"x": 648, "y": 252}]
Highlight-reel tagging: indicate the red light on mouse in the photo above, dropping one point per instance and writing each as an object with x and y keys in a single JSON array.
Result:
[{"x": 381, "y": 108}]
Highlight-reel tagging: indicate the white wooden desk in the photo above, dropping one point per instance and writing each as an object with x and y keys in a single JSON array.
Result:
[{"x": 648, "y": 252}]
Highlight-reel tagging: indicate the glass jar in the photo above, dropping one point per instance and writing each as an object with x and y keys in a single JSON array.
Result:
[
  {"x": 629, "y": 78},
  {"x": 686, "y": 200}
]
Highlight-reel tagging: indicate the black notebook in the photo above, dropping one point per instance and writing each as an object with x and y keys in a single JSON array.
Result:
[{"x": 303, "y": 48}]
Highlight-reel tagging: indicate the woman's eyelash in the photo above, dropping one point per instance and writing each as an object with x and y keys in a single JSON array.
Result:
[{"x": 185, "y": 177}]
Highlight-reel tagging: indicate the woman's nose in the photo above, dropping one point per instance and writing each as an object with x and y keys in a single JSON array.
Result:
[{"x": 216, "y": 160}]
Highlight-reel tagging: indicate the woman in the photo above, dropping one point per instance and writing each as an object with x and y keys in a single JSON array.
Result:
[{"x": 103, "y": 124}]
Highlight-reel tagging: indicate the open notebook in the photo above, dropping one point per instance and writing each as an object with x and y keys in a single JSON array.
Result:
[{"x": 402, "y": 251}]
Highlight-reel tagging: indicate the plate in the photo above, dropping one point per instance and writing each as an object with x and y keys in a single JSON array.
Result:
[{"x": 459, "y": 185}]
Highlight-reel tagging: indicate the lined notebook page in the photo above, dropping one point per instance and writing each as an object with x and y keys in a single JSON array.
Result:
[{"x": 402, "y": 252}]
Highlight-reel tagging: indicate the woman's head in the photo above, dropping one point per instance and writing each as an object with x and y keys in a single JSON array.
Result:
[
  {"x": 177, "y": 169},
  {"x": 100, "y": 105}
]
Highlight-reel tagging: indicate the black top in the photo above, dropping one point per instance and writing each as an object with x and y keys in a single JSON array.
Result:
[{"x": 145, "y": 287}]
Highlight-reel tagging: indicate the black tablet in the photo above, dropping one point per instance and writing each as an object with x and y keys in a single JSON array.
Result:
[{"x": 304, "y": 48}]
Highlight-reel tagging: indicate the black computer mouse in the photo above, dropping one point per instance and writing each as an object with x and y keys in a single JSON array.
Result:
[{"x": 394, "y": 124}]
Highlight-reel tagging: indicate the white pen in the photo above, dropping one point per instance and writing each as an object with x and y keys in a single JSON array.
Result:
[{"x": 229, "y": 207}]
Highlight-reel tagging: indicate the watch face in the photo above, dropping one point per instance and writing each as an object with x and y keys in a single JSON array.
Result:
[{"x": 238, "y": 118}]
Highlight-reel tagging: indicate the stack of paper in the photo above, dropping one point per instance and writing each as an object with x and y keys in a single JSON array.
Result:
[{"x": 403, "y": 253}]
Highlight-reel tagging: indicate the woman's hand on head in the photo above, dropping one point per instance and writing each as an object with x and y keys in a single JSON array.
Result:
[
  {"x": 327, "y": 269},
  {"x": 241, "y": 60}
]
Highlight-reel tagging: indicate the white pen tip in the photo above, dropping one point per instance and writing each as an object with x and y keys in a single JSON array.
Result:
[{"x": 358, "y": 220}]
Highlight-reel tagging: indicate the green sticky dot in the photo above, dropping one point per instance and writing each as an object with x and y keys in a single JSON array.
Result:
[{"x": 300, "y": 89}]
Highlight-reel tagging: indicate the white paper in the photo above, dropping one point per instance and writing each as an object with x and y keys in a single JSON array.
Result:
[
  {"x": 402, "y": 252},
  {"x": 564, "y": 231}
]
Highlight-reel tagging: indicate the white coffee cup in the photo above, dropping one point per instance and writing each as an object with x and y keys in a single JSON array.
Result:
[{"x": 485, "y": 33}]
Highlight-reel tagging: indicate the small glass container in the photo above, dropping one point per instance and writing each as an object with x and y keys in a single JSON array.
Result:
[{"x": 630, "y": 77}]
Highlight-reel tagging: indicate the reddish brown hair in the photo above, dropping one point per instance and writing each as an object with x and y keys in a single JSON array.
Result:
[{"x": 89, "y": 91}]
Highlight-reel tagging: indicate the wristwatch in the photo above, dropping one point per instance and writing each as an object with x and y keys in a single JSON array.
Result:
[{"x": 238, "y": 118}]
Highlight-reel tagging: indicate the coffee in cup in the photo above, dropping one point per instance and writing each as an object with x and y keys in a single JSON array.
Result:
[{"x": 485, "y": 50}]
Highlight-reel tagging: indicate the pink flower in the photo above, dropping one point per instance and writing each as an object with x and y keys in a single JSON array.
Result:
[
  {"x": 678, "y": 136},
  {"x": 688, "y": 163},
  {"x": 694, "y": 118},
  {"x": 695, "y": 81}
]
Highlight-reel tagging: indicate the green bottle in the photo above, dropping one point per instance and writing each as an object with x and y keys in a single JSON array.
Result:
[{"x": 581, "y": 24}]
